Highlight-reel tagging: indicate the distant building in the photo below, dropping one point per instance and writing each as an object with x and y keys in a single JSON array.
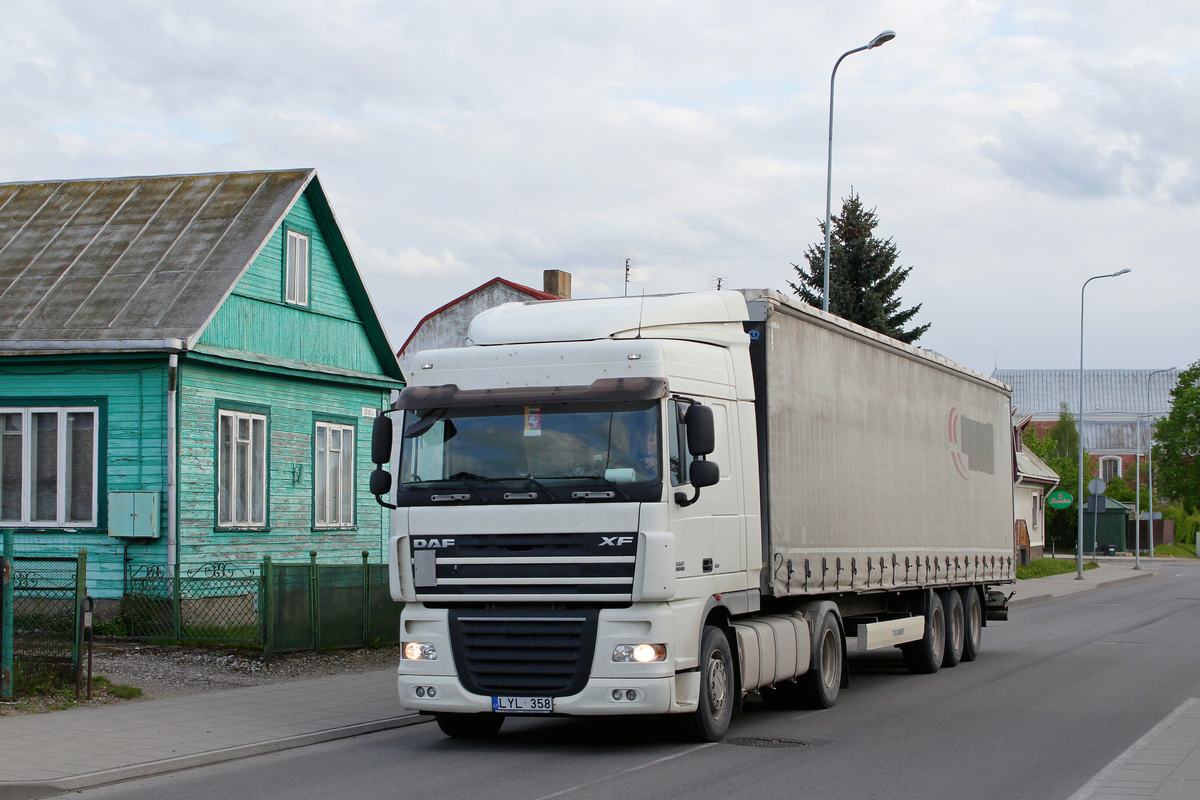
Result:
[
  {"x": 189, "y": 368},
  {"x": 1035, "y": 480},
  {"x": 1114, "y": 403},
  {"x": 447, "y": 326}
]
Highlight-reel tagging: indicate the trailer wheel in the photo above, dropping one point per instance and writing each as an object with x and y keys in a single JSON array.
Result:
[
  {"x": 925, "y": 655},
  {"x": 819, "y": 686},
  {"x": 470, "y": 726},
  {"x": 952, "y": 611},
  {"x": 709, "y": 722},
  {"x": 972, "y": 622}
]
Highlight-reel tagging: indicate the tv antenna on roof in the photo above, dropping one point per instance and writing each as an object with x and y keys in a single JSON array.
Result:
[
  {"x": 718, "y": 282},
  {"x": 629, "y": 274}
]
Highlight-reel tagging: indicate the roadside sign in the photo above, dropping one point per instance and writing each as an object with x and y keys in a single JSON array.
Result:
[
  {"x": 1097, "y": 486},
  {"x": 1060, "y": 499}
]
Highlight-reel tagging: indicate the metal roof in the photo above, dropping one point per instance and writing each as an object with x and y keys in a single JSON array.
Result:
[
  {"x": 1115, "y": 393},
  {"x": 130, "y": 263},
  {"x": 1030, "y": 467}
]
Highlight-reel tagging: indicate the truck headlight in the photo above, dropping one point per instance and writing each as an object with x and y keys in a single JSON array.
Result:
[
  {"x": 419, "y": 651},
  {"x": 640, "y": 653}
]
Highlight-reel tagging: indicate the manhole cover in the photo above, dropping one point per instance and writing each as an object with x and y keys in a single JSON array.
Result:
[{"x": 765, "y": 741}]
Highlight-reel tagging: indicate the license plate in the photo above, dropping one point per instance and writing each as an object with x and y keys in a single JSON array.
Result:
[{"x": 523, "y": 705}]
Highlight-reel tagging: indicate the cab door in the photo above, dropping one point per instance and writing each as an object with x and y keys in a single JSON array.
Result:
[{"x": 708, "y": 532}]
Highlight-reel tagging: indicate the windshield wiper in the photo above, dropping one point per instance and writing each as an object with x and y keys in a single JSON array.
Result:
[
  {"x": 529, "y": 478},
  {"x": 594, "y": 477}
]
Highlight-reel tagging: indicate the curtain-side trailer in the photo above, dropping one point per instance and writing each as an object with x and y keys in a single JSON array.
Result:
[{"x": 659, "y": 505}]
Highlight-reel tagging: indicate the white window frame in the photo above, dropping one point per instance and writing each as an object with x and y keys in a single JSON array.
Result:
[
  {"x": 1110, "y": 459},
  {"x": 329, "y": 508},
  {"x": 229, "y": 478},
  {"x": 62, "y": 512},
  {"x": 297, "y": 262}
]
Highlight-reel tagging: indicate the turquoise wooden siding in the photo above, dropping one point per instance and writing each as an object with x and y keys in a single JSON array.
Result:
[
  {"x": 134, "y": 447},
  {"x": 255, "y": 317},
  {"x": 292, "y": 405}
]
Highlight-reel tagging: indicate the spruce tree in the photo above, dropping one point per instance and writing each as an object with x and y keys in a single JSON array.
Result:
[{"x": 863, "y": 278}]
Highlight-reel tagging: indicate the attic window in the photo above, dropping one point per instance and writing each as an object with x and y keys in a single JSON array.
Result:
[{"x": 296, "y": 269}]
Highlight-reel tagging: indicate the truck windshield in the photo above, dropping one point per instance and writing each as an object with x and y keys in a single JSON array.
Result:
[{"x": 613, "y": 446}]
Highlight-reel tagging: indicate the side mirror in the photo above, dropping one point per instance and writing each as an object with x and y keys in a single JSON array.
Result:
[
  {"x": 381, "y": 486},
  {"x": 381, "y": 444},
  {"x": 701, "y": 431},
  {"x": 704, "y": 473}
]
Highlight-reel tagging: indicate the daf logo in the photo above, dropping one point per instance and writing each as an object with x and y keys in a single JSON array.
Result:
[
  {"x": 419, "y": 544},
  {"x": 615, "y": 541}
]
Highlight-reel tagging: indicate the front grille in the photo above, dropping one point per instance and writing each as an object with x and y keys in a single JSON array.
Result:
[
  {"x": 545, "y": 567},
  {"x": 534, "y": 653}
]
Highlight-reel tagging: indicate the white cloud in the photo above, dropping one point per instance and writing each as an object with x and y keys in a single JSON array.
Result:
[{"x": 1012, "y": 149}]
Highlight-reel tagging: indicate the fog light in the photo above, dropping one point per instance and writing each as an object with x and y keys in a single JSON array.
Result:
[
  {"x": 616, "y": 694},
  {"x": 419, "y": 691},
  {"x": 419, "y": 651},
  {"x": 630, "y": 694},
  {"x": 640, "y": 653},
  {"x": 432, "y": 692}
]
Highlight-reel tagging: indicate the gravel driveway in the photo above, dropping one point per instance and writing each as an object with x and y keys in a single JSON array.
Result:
[{"x": 170, "y": 671}]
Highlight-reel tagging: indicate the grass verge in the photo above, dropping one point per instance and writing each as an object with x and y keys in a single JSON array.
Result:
[
  {"x": 1174, "y": 551},
  {"x": 1044, "y": 567},
  {"x": 55, "y": 696}
]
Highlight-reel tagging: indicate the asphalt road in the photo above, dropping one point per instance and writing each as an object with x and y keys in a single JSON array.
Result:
[{"x": 1057, "y": 693}]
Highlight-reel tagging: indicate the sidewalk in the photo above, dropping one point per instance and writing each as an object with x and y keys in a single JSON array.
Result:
[
  {"x": 1111, "y": 572},
  {"x": 46, "y": 754}
]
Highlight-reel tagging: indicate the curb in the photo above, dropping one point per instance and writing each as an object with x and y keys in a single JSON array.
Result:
[
  {"x": 30, "y": 790},
  {"x": 1038, "y": 599}
]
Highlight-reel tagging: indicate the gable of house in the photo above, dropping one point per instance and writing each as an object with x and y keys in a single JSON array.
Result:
[{"x": 328, "y": 329}]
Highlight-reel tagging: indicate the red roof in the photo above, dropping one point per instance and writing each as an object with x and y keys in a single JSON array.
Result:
[{"x": 534, "y": 294}]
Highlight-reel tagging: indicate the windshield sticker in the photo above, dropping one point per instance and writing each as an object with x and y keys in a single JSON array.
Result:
[{"x": 533, "y": 420}]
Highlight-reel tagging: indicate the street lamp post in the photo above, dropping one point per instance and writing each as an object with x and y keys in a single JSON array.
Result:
[
  {"x": 882, "y": 38},
  {"x": 1079, "y": 531},
  {"x": 1150, "y": 466}
]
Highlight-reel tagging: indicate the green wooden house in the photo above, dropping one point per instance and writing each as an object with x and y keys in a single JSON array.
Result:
[{"x": 189, "y": 366}]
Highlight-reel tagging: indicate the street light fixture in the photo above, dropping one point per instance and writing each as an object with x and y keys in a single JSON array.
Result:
[
  {"x": 1079, "y": 532},
  {"x": 882, "y": 38},
  {"x": 1150, "y": 452}
]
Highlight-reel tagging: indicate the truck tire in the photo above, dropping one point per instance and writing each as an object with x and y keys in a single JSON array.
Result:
[
  {"x": 819, "y": 686},
  {"x": 952, "y": 612},
  {"x": 972, "y": 623},
  {"x": 924, "y": 656},
  {"x": 470, "y": 726},
  {"x": 710, "y": 720}
]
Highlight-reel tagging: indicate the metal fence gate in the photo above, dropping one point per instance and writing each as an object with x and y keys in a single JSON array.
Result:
[{"x": 46, "y": 638}]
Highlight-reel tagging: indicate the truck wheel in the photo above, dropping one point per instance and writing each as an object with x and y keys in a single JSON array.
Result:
[
  {"x": 972, "y": 623},
  {"x": 709, "y": 722},
  {"x": 470, "y": 726},
  {"x": 925, "y": 655},
  {"x": 952, "y": 611},
  {"x": 821, "y": 683}
]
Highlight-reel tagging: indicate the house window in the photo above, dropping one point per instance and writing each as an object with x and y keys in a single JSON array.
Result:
[
  {"x": 1110, "y": 468},
  {"x": 242, "y": 469},
  {"x": 333, "y": 476},
  {"x": 297, "y": 268},
  {"x": 48, "y": 467},
  {"x": 1037, "y": 508}
]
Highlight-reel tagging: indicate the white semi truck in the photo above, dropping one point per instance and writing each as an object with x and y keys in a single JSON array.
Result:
[{"x": 659, "y": 505}]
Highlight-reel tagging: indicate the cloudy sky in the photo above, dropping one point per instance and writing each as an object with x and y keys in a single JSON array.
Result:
[{"x": 1011, "y": 149}]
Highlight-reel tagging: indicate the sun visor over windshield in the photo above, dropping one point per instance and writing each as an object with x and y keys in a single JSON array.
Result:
[{"x": 449, "y": 395}]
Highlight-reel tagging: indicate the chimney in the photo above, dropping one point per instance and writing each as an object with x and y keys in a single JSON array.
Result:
[{"x": 557, "y": 283}]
